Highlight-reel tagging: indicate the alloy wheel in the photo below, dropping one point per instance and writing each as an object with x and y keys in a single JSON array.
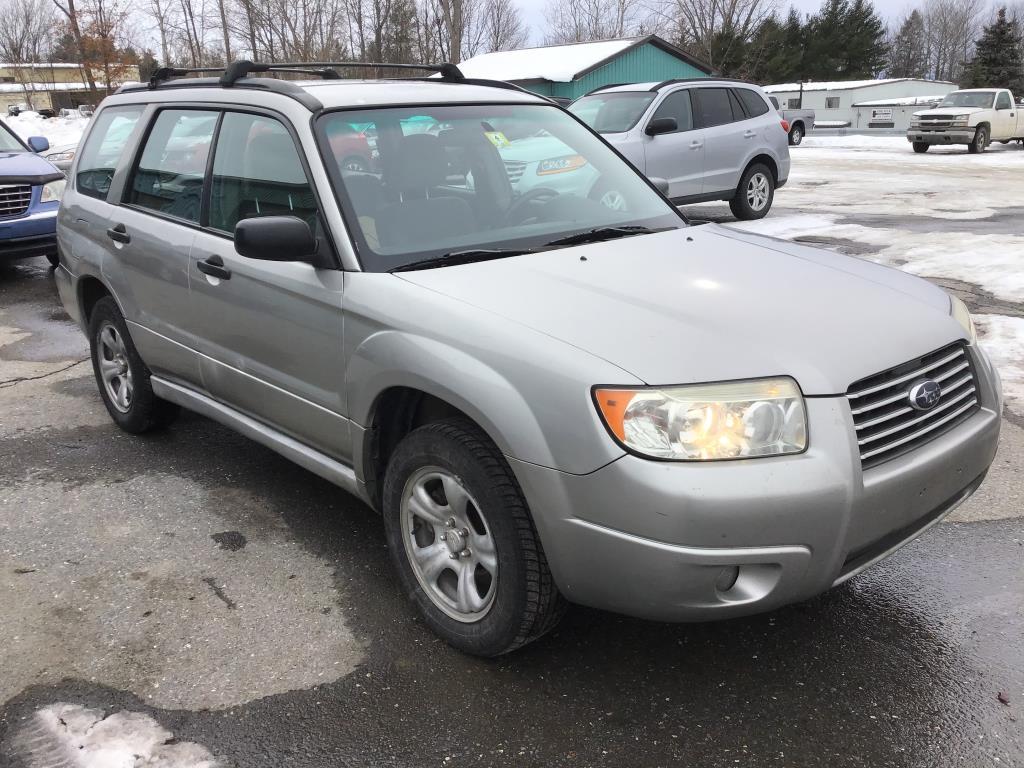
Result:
[
  {"x": 758, "y": 191},
  {"x": 449, "y": 544},
  {"x": 114, "y": 368}
]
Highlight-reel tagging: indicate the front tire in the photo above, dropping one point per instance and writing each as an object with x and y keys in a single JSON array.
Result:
[
  {"x": 122, "y": 377},
  {"x": 754, "y": 194},
  {"x": 463, "y": 543},
  {"x": 920, "y": 147},
  {"x": 980, "y": 141},
  {"x": 796, "y": 135}
]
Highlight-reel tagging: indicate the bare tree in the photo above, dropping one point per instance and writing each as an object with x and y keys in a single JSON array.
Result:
[
  {"x": 715, "y": 30},
  {"x": 26, "y": 28},
  {"x": 70, "y": 11},
  {"x": 503, "y": 26},
  {"x": 574, "y": 21},
  {"x": 951, "y": 26}
]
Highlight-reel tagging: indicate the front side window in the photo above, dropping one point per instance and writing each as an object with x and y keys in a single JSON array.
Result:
[
  {"x": 752, "y": 102},
  {"x": 169, "y": 176},
  {"x": 677, "y": 105},
  {"x": 1003, "y": 101},
  {"x": 102, "y": 151},
  {"x": 257, "y": 172},
  {"x": 714, "y": 106},
  {"x": 612, "y": 112},
  {"x": 450, "y": 179},
  {"x": 9, "y": 142}
]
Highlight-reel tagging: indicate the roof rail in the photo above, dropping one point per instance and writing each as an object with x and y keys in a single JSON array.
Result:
[
  {"x": 676, "y": 80},
  {"x": 605, "y": 87},
  {"x": 236, "y": 70}
]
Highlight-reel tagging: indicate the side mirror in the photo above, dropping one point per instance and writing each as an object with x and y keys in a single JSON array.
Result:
[
  {"x": 275, "y": 238},
  {"x": 661, "y": 125},
  {"x": 38, "y": 143},
  {"x": 660, "y": 183}
]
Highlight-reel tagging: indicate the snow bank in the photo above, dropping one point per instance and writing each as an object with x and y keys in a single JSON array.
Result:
[
  {"x": 59, "y": 131},
  {"x": 1003, "y": 339}
]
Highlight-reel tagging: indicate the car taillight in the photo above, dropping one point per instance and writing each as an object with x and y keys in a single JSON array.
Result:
[{"x": 785, "y": 125}]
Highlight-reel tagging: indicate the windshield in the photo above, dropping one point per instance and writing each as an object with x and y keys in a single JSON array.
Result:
[
  {"x": 8, "y": 141},
  {"x": 438, "y": 180},
  {"x": 969, "y": 99},
  {"x": 612, "y": 112}
]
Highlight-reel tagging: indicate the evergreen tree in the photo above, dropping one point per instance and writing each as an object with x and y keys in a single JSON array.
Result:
[
  {"x": 997, "y": 57},
  {"x": 908, "y": 49},
  {"x": 845, "y": 41},
  {"x": 775, "y": 53},
  {"x": 865, "y": 49}
]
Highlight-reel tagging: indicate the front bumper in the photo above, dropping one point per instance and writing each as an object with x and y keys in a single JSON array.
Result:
[
  {"x": 957, "y": 136},
  {"x": 34, "y": 234},
  {"x": 690, "y": 542}
]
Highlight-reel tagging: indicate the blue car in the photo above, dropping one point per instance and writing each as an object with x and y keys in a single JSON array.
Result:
[{"x": 30, "y": 192}]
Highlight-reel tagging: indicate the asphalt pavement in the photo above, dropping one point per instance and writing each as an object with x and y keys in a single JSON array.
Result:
[{"x": 245, "y": 608}]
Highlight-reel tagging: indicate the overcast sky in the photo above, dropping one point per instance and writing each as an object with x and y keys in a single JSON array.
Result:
[{"x": 533, "y": 12}]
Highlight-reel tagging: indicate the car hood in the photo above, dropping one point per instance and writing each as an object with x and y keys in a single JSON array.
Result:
[
  {"x": 711, "y": 304},
  {"x": 26, "y": 168},
  {"x": 949, "y": 112}
]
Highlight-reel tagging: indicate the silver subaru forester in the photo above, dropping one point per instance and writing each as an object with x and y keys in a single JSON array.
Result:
[{"x": 549, "y": 399}]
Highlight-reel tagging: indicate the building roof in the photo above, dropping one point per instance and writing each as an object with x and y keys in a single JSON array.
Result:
[
  {"x": 45, "y": 87},
  {"x": 43, "y": 65},
  {"x": 846, "y": 85},
  {"x": 909, "y": 101},
  {"x": 563, "y": 63}
]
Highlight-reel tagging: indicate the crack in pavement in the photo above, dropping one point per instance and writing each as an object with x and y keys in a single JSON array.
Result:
[
  {"x": 219, "y": 592},
  {"x": 19, "y": 379}
]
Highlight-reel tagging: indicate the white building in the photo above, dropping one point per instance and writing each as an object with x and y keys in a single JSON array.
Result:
[{"x": 834, "y": 103}]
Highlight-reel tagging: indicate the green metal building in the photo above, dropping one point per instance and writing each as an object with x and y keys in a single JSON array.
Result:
[{"x": 569, "y": 71}]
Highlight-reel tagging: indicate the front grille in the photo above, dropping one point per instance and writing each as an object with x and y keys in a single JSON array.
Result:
[
  {"x": 888, "y": 426},
  {"x": 515, "y": 170},
  {"x": 14, "y": 200},
  {"x": 937, "y": 122}
]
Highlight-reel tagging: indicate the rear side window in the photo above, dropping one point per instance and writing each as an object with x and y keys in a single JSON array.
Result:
[
  {"x": 677, "y": 105},
  {"x": 752, "y": 102},
  {"x": 169, "y": 176},
  {"x": 257, "y": 172},
  {"x": 714, "y": 106},
  {"x": 103, "y": 149}
]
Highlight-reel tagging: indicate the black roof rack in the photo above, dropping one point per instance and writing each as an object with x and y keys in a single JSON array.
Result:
[
  {"x": 605, "y": 87},
  {"x": 676, "y": 80}
]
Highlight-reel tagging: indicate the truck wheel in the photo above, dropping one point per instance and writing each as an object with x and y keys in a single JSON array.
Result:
[
  {"x": 754, "y": 195},
  {"x": 122, "y": 377},
  {"x": 463, "y": 542},
  {"x": 796, "y": 135},
  {"x": 980, "y": 141},
  {"x": 920, "y": 147}
]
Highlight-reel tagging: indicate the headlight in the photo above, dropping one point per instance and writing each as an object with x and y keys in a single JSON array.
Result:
[
  {"x": 705, "y": 422},
  {"x": 960, "y": 120},
  {"x": 560, "y": 164},
  {"x": 61, "y": 156},
  {"x": 52, "y": 191},
  {"x": 963, "y": 316}
]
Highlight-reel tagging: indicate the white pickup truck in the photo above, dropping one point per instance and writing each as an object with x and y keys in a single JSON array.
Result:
[{"x": 973, "y": 117}]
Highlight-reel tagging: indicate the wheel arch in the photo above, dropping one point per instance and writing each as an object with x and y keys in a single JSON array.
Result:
[
  {"x": 767, "y": 160},
  {"x": 90, "y": 290}
]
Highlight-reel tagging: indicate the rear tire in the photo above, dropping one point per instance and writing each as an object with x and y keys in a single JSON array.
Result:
[
  {"x": 980, "y": 142},
  {"x": 920, "y": 147},
  {"x": 754, "y": 194},
  {"x": 122, "y": 377},
  {"x": 463, "y": 543},
  {"x": 796, "y": 135}
]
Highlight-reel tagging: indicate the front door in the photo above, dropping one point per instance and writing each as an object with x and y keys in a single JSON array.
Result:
[
  {"x": 1006, "y": 117},
  {"x": 678, "y": 156},
  {"x": 270, "y": 332}
]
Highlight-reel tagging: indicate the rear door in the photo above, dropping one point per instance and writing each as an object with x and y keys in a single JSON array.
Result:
[
  {"x": 677, "y": 156},
  {"x": 270, "y": 333},
  {"x": 151, "y": 232},
  {"x": 728, "y": 137}
]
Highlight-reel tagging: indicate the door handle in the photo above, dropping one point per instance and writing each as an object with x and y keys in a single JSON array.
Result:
[
  {"x": 749, "y": 134},
  {"x": 696, "y": 144},
  {"x": 119, "y": 234},
  {"x": 214, "y": 267}
]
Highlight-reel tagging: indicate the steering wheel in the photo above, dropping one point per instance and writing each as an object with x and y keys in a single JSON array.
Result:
[{"x": 521, "y": 205}]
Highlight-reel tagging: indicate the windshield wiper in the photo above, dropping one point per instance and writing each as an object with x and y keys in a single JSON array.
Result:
[
  {"x": 467, "y": 256},
  {"x": 605, "y": 233}
]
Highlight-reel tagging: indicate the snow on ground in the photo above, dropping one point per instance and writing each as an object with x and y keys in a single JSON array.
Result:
[
  {"x": 943, "y": 214},
  {"x": 1003, "y": 339},
  {"x": 59, "y": 131}
]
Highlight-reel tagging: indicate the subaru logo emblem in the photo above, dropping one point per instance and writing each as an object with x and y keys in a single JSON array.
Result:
[{"x": 924, "y": 395}]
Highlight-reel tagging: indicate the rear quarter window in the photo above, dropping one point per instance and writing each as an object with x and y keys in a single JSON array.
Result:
[
  {"x": 103, "y": 149},
  {"x": 752, "y": 102}
]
